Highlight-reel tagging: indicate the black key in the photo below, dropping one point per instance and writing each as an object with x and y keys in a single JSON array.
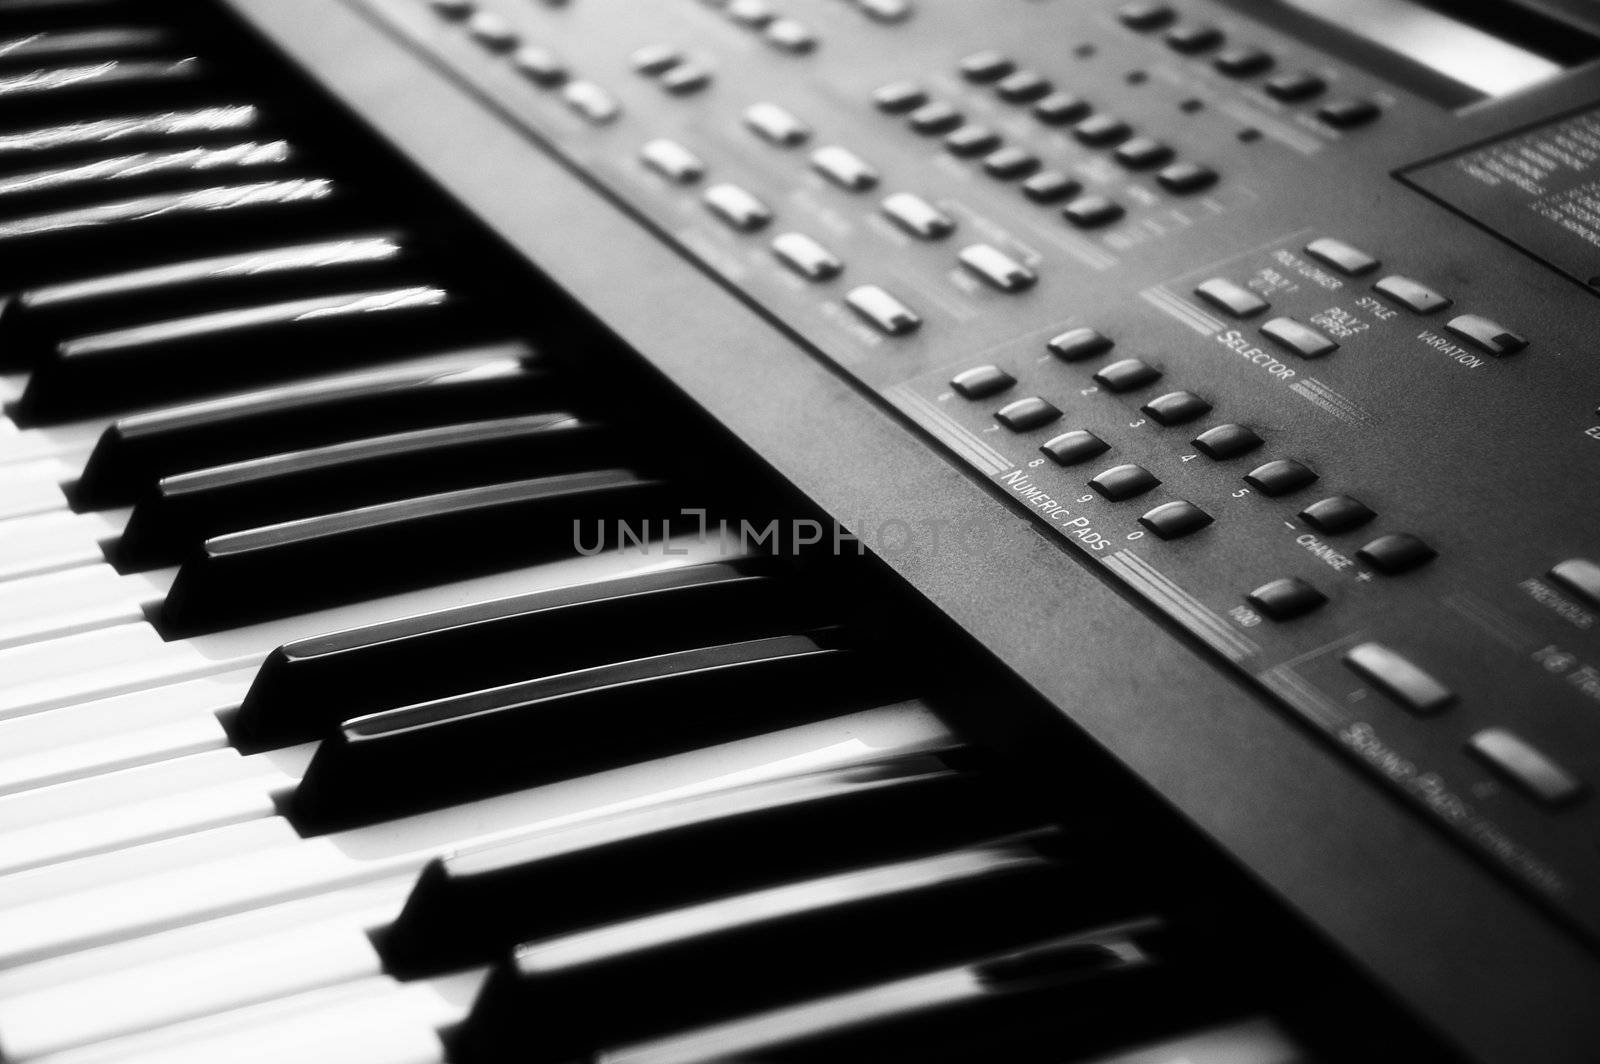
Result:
[
  {"x": 519, "y": 735},
  {"x": 125, "y": 174},
  {"x": 881, "y": 918},
  {"x": 469, "y": 907},
  {"x": 45, "y": 248},
  {"x": 38, "y": 318},
  {"x": 180, "y": 357},
  {"x": 316, "y": 561},
  {"x": 62, "y": 45},
  {"x": 306, "y": 687},
  {"x": 72, "y": 89},
  {"x": 187, "y": 508},
  {"x": 1089, "y": 989},
  {"x": 94, "y": 136},
  {"x": 136, "y": 451}
]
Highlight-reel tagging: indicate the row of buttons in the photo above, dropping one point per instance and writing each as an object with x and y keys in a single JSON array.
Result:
[
  {"x": 1241, "y": 302},
  {"x": 1009, "y": 163},
  {"x": 1245, "y": 61},
  {"x": 783, "y": 33},
  {"x": 1510, "y": 755},
  {"x": 1391, "y": 554},
  {"x": 1056, "y": 108},
  {"x": 534, "y": 62}
]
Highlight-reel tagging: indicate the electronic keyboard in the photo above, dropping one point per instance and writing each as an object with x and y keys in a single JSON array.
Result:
[{"x": 822, "y": 530}]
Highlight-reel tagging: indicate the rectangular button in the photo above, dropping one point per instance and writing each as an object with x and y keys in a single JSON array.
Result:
[
  {"x": 775, "y": 125},
  {"x": 806, "y": 257},
  {"x": 1413, "y": 295},
  {"x": 1341, "y": 256},
  {"x": 844, "y": 168},
  {"x": 997, "y": 268},
  {"x": 591, "y": 101},
  {"x": 737, "y": 207},
  {"x": 1525, "y": 766},
  {"x": 1301, "y": 339},
  {"x": 883, "y": 310},
  {"x": 672, "y": 161},
  {"x": 1398, "y": 678},
  {"x": 1486, "y": 335},
  {"x": 1236, "y": 299},
  {"x": 1580, "y": 576},
  {"x": 917, "y": 216}
]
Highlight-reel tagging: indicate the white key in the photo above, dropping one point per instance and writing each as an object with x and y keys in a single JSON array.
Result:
[
  {"x": 117, "y": 909},
  {"x": 143, "y": 804},
  {"x": 72, "y": 877},
  {"x": 359, "y": 908},
  {"x": 372, "y": 1021},
  {"x": 129, "y": 657},
  {"x": 96, "y": 664},
  {"x": 43, "y": 543},
  {"x": 91, "y": 906},
  {"x": 35, "y": 487},
  {"x": 170, "y": 990},
  {"x": 68, "y": 442},
  {"x": 33, "y": 608},
  {"x": 139, "y": 727}
]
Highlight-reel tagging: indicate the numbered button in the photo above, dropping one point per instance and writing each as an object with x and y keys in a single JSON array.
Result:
[
  {"x": 1124, "y": 482},
  {"x": 1073, "y": 447},
  {"x": 1174, "y": 520},
  {"x": 1127, "y": 375},
  {"x": 1026, "y": 414}
]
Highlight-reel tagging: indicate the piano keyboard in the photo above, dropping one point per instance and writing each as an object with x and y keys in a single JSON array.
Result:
[{"x": 320, "y": 740}]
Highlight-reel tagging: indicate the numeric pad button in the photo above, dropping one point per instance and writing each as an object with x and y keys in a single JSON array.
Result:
[
  {"x": 1076, "y": 446},
  {"x": 1026, "y": 414},
  {"x": 1124, "y": 482},
  {"x": 1280, "y": 477},
  {"x": 1173, "y": 520}
]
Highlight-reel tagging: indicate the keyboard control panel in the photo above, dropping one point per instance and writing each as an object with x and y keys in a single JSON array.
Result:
[{"x": 1294, "y": 347}]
